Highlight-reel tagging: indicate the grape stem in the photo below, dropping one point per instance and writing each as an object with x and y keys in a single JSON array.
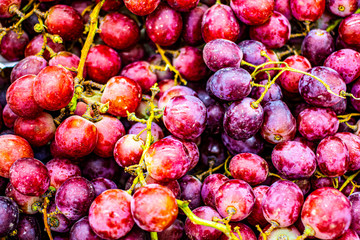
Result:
[
  {"x": 347, "y": 117},
  {"x": 349, "y": 179},
  {"x": 154, "y": 236}
]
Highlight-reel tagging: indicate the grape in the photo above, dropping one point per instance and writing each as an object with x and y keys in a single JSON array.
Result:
[
  {"x": 352, "y": 143},
  {"x": 254, "y": 144},
  {"x": 349, "y": 30},
  {"x": 110, "y": 214},
  {"x": 82, "y": 230},
  {"x": 190, "y": 64},
  {"x": 119, "y": 31},
  {"x": 249, "y": 167},
  {"x": 274, "y": 33},
  {"x": 150, "y": 215},
  {"x": 13, "y": 44},
  {"x": 95, "y": 167},
  {"x": 274, "y": 92},
  {"x": 315, "y": 92},
  {"x": 29, "y": 176},
  {"x": 185, "y": 117},
  {"x": 35, "y": 46},
  {"x": 355, "y": 204},
  {"x": 307, "y": 10},
  {"x": 37, "y": 131},
  {"x": 213, "y": 152},
  {"x": 102, "y": 184},
  {"x": 346, "y": 62},
  {"x": 157, "y": 60},
  {"x": 283, "y": 7},
  {"x": 252, "y": 12},
  {"x": 355, "y": 90},
  {"x": 192, "y": 149},
  {"x": 174, "y": 92},
  {"x": 29, "y": 65},
  {"x": 74, "y": 197},
  {"x": 24, "y": 202},
  {"x": 282, "y": 203},
  {"x": 102, "y": 63},
  {"x": 60, "y": 170},
  {"x": 199, "y": 232},
  {"x": 219, "y": 21},
  {"x": 67, "y": 60},
  {"x": 64, "y": 21},
  {"x": 317, "y": 123},
  {"x": 317, "y": 46},
  {"x": 215, "y": 115},
  {"x": 167, "y": 159},
  {"x": 256, "y": 217},
  {"x": 328, "y": 212},
  {"x": 54, "y": 88},
  {"x": 342, "y": 8},
  {"x": 222, "y": 53},
  {"x": 20, "y": 97},
  {"x": 164, "y": 25},
  {"x": 111, "y": 5},
  {"x": 128, "y": 151},
  {"x": 349, "y": 235},
  {"x": 174, "y": 232},
  {"x": 279, "y": 124},
  {"x": 183, "y": 5},
  {"x": 235, "y": 195},
  {"x": 123, "y": 94},
  {"x": 245, "y": 232},
  {"x": 110, "y": 130},
  {"x": 210, "y": 186},
  {"x": 9, "y": 216},
  {"x": 9, "y": 117},
  {"x": 132, "y": 54},
  {"x": 58, "y": 222},
  {"x": 5, "y": 5},
  {"x": 141, "y": 8},
  {"x": 192, "y": 25},
  {"x": 294, "y": 160},
  {"x": 230, "y": 84},
  {"x": 191, "y": 190},
  {"x": 290, "y": 80},
  {"x": 156, "y": 131},
  {"x": 241, "y": 120},
  {"x": 20, "y": 148},
  {"x": 135, "y": 234},
  {"x": 332, "y": 156},
  {"x": 76, "y": 137},
  {"x": 28, "y": 228},
  {"x": 289, "y": 233},
  {"x": 140, "y": 72}
]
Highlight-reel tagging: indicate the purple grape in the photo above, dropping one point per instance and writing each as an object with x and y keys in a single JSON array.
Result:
[
  {"x": 230, "y": 84},
  {"x": 174, "y": 92},
  {"x": 95, "y": 167},
  {"x": 102, "y": 184},
  {"x": 342, "y": 8},
  {"x": 317, "y": 46},
  {"x": 29, "y": 65},
  {"x": 9, "y": 216},
  {"x": 294, "y": 160},
  {"x": 274, "y": 92},
  {"x": 215, "y": 115},
  {"x": 283, "y": 7},
  {"x": 74, "y": 197},
  {"x": 24, "y": 202},
  {"x": 12, "y": 46},
  {"x": 355, "y": 213},
  {"x": 332, "y": 156},
  {"x": 241, "y": 120},
  {"x": 254, "y": 144},
  {"x": 213, "y": 152},
  {"x": 210, "y": 186},
  {"x": 81, "y": 230},
  {"x": 28, "y": 228},
  {"x": 174, "y": 232},
  {"x": 141, "y": 73},
  {"x": 156, "y": 131},
  {"x": 222, "y": 53},
  {"x": 58, "y": 222},
  {"x": 192, "y": 25},
  {"x": 191, "y": 190}
]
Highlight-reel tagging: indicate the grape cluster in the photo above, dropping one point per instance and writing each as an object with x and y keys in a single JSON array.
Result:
[{"x": 180, "y": 119}]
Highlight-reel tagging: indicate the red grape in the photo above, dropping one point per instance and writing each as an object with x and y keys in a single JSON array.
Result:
[
  {"x": 307, "y": 10},
  {"x": 349, "y": 30},
  {"x": 35, "y": 46},
  {"x": 13, "y": 44},
  {"x": 24, "y": 202},
  {"x": 210, "y": 186},
  {"x": 256, "y": 217},
  {"x": 128, "y": 151},
  {"x": 253, "y": 12},
  {"x": 60, "y": 170},
  {"x": 5, "y": 7},
  {"x": 141, "y": 73},
  {"x": 192, "y": 25},
  {"x": 28, "y": 65},
  {"x": 142, "y": 8},
  {"x": 67, "y": 60}
]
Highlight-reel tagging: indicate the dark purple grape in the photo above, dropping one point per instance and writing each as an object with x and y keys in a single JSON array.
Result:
[
  {"x": 307, "y": 10},
  {"x": 213, "y": 152},
  {"x": 274, "y": 33},
  {"x": 215, "y": 115},
  {"x": 81, "y": 230},
  {"x": 222, "y": 53},
  {"x": 192, "y": 25},
  {"x": 174, "y": 232},
  {"x": 254, "y": 144},
  {"x": 282, "y": 203},
  {"x": 199, "y": 232},
  {"x": 230, "y": 84},
  {"x": 236, "y": 197},
  {"x": 9, "y": 216},
  {"x": 253, "y": 12},
  {"x": 294, "y": 160},
  {"x": 58, "y": 222},
  {"x": 242, "y": 120},
  {"x": 12, "y": 45},
  {"x": 317, "y": 123},
  {"x": 279, "y": 124},
  {"x": 332, "y": 156},
  {"x": 29, "y": 176},
  {"x": 191, "y": 190},
  {"x": 60, "y": 170},
  {"x": 28, "y": 228},
  {"x": 135, "y": 234},
  {"x": 355, "y": 90},
  {"x": 346, "y": 62},
  {"x": 74, "y": 197},
  {"x": 274, "y": 92},
  {"x": 94, "y": 167},
  {"x": 219, "y": 21},
  {"x": 317, "y": 46},
  {"x": 249, "y": 167},
  {"x": 210, "y": 187},
  {"x": 132, "y": 54},
  {"x": 102, "y": 184}
]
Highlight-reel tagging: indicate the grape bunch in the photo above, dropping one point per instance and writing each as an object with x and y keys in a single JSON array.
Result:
[{"x": 180, "y": 119}]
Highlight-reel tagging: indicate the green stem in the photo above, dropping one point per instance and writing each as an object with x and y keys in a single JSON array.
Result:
[
  {"x": 349, "y": 179},
  {"x": 154, "y": 236}
]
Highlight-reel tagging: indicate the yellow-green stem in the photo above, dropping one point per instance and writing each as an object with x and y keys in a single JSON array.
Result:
[
  {"x": 154, "y": 236},
  {"x": 349, "y": 179}
]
